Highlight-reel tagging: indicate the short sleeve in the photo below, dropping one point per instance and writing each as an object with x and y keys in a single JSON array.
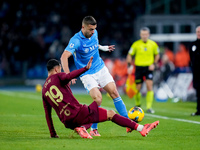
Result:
[
  {"x": 74, "y": 44},
  {"x": 156, "y": 48},
  {"x": 132, "y": 49}
]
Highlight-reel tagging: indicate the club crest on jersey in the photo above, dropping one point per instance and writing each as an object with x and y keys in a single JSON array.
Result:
[
  {"x": 194, "y": 48},
  {"x": 71, "y": 45},
  {"x": 86, "y": 50}
]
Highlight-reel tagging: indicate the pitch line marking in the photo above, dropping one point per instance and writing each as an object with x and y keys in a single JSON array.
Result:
[
  {"x": 8, "y": 93},
  {"x": 176, "y": 119}
]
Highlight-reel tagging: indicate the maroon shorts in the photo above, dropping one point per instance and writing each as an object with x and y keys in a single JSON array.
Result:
[{"x": 88, "y": 114}]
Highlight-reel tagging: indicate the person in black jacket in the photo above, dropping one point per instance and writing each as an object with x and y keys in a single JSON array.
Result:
[{"x": 195, "y": 66}]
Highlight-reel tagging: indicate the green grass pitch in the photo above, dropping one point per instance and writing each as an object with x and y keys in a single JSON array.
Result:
[{"x": 23, "y": 126}]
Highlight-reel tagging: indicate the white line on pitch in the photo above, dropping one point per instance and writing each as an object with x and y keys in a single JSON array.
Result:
[
  {"x": 8, "y": 93},
  {"x": 176, "y": 119}
]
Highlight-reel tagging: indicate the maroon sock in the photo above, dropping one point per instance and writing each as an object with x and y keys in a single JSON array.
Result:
[
  {"x": 87, "y": 126},
  {"x": 124, "y": 122}
]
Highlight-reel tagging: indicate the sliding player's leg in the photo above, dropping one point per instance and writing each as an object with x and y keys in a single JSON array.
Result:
[{"x": 125, "y": 122}]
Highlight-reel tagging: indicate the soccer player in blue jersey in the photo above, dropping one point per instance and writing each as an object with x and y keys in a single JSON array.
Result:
[{"x": 82, "y": 46}]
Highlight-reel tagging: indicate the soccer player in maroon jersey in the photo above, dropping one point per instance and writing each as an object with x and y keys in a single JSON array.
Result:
[{"x": 56, "y": 94}]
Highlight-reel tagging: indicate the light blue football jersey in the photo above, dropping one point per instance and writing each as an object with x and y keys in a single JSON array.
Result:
[{"x": 82, "y": 49}]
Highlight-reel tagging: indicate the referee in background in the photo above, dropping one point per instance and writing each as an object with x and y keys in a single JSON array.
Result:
[
  {"x": 195, "y": 65},
  {"x": 146, "y": 54}
]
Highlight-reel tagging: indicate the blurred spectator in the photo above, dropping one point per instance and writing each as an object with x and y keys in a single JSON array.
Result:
[
  {"x": 182, "y": 57},
  {"x": 119, "y": 72},
  {"x": 169, "y": 54},
  {"x": 182, "y": 60},
  {"x": 167, "y": 67}
]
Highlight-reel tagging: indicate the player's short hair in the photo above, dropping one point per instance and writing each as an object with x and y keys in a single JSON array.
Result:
[
  {"x": 89, "y": 20},
  {"x": 52, "y": 63},
  {"x": 145, "y": 29}
]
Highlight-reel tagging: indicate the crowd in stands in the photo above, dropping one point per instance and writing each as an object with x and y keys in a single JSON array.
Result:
[{"x": 32, "y": 32}]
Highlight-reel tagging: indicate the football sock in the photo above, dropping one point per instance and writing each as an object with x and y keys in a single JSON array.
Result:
[
  {"x": 87, "y": 126},
  {"x": 149, "y": 99},
  {"x": 140, "y": 127},
  {"x": 137, "y": 99},
  {"x": 120, "y": 106},
  {"x": 94, "y": 126},
  {"x": 124, "y": 122}
]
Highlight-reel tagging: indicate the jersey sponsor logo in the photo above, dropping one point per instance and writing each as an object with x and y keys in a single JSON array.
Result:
[
  {"x": 145, "y": 49},
  {"x": 93, "y": 47},
  {"x": 194, "y": 48},
  {"x": 71, "y": 45}
]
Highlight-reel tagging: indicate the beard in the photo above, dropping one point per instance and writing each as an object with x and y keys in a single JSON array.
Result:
[{"x": 87, "y": 35}]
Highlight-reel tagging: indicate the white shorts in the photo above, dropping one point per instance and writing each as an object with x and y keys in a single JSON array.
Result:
[{"x": 99, "y": 79}]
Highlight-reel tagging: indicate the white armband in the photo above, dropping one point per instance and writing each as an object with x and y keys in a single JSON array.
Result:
[{"x": 104, "y": 48}]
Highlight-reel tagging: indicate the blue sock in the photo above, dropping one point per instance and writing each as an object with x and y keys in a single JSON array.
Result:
[
  {"x": 120, "y": 106},
  {"x": 94, "y": 125}
]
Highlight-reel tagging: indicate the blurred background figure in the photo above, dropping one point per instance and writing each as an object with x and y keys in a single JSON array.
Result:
[
  {"x": 195, "y": 65},
  {"x": 169, "y": 53},
  {"x": 182, "y": 59},
  {"x": 167, "y": 67}
]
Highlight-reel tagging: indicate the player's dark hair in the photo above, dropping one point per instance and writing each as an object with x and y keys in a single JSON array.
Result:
[
  {"x": 89, "y": 20},
  {"x": 145, "y": 29},
  {"x": 52, "y": 63}
]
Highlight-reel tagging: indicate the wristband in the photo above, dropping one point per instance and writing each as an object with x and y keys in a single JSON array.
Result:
[{"x": 104, "y": 48}]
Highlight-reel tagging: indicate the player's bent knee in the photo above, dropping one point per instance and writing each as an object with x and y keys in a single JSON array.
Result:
[
  {"x": 97, "y": 99},
  {"x": 114, "y": 93},
  {"x": 110, "y": 114}
]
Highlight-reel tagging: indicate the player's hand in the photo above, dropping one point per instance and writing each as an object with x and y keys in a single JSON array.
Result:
[
  {"x": 111, "y": 48},
  {"x": 55, "y": 136},
  {"x": 130, "y": 69},
  {"x": 72, "y": 82},
  {"x": 152, "y": 67},
  {"x": 89, "y": 63}
]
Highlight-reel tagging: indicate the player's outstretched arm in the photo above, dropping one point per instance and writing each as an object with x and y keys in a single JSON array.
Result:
[
  {"x": 66, "y": 78},
  {"x": 109, "y": 48},
  {"x": 89, "y": 63}
]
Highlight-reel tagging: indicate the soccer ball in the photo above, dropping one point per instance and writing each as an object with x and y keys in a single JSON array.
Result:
[{"x": 136, "y": 114}]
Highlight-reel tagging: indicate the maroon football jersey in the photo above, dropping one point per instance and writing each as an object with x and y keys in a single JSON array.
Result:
[{"x": 56, "y": 93}]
